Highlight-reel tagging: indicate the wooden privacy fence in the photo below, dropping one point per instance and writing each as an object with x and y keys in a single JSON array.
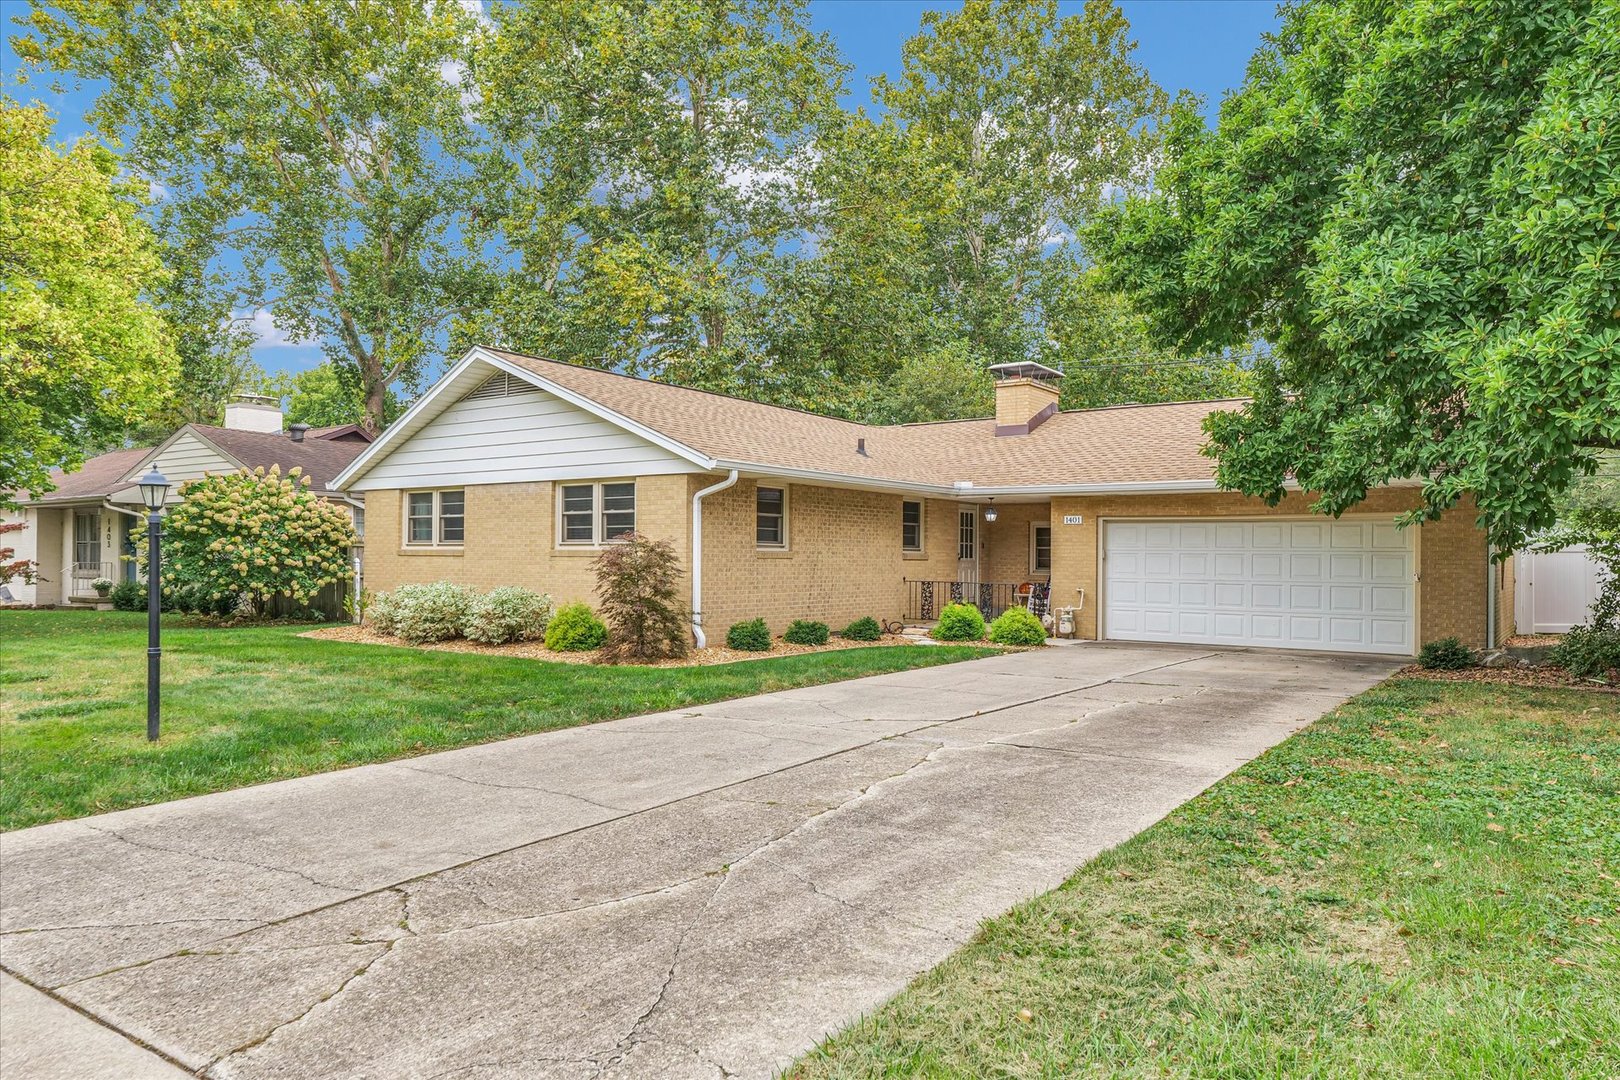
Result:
[{"x": 1553, "y": 590}]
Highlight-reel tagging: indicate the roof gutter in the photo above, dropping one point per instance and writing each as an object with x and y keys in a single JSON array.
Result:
[{"x": 700, "y": 639}]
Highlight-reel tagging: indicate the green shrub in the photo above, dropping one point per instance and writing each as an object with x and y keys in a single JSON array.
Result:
[
  {"x": 429, "y": 613},
  {"x": 575, "y": 628},
  {"x": 1017, "y": 626},
  {"x": 507, "y": 614},
  {"x": 129, "y": 596},
  {"x": 382, "y": 616},
  {"x": 750, "y": 636},
  {"x": 805, "y": 632},
  {"x": 1446, "y": 654},
  {"x": 1588, "y": 653},
  {"x": 864, "y": 628},
  {"x": 959, "y": 622},
  {"x": 638, "y": 580}
]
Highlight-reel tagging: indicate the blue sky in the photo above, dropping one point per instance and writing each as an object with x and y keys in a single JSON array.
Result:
[{"x": 1198, "y": 45}]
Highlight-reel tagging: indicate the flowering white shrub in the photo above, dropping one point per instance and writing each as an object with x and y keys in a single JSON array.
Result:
[
  {"x": 510, "y": 613},
  {"x": 427, "y": 613}
]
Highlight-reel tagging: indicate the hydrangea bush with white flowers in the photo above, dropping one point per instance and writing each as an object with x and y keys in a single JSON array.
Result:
[{"x": 260, "y": 535}]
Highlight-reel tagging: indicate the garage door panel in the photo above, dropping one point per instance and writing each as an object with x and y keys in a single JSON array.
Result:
[{"x": 1312, "y": 585}]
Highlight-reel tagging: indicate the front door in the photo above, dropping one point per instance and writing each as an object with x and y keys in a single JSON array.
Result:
[
  {"x": 967, "y": 543},
  {"x": 86, "y": 550}
]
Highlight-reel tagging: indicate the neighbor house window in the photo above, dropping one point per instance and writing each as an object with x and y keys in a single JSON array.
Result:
[
  {"x": 596, "y": 513},
  {"x": 770, "y": 517},
  {"x": 911, "y": 526},
  {"x": 1040, "y": 548},
  {"x": 432, "y": 518},
  {"x": 359, "y": 523}
]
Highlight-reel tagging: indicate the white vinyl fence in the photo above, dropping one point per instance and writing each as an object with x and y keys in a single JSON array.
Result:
[{"x": 1553, "y": 590}]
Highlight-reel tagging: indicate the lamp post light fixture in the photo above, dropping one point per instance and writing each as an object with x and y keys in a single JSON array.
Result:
[{"x": 154, "y": 490}]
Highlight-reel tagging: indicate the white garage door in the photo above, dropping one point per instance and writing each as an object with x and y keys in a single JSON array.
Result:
[{"x": 1340, "y": 586}]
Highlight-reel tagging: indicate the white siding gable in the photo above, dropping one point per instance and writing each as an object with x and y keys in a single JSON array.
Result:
[
  {"x": 513, "y": 438},
  {"x": 186, "y": 458}
]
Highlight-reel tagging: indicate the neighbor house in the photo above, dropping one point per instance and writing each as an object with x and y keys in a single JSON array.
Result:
[
  {"x": 514, "y": 470},
  {"x": 82, "y": 530}
]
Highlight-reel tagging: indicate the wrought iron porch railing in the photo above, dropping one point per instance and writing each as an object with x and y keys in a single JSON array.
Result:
[{"x": 925, "y": 598}]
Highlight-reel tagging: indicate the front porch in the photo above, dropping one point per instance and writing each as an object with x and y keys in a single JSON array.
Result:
[{"x": 1003, "y": 559}]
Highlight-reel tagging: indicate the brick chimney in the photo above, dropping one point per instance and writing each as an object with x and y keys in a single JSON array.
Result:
[
  {"x": 254, "y": 412},
  {"x": 1026, "y": 395}
]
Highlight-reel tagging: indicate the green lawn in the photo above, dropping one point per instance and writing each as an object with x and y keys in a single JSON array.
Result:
[
  {"x": 241, "y": 706},
  {"x": 1422, "y": 884}
]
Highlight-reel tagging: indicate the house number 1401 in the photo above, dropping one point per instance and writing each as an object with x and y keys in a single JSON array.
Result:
[{"x": 1074, "y": 519}]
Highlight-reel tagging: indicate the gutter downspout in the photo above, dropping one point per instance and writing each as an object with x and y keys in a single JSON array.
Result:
[
  {"x": 1490, "y": 598},
  {"x": 698, "y": 637}
]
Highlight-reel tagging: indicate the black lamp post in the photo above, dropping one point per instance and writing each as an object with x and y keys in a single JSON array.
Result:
[{"x": 154, "y": 489}]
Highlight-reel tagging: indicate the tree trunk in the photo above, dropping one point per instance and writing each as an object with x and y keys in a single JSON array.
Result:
[{"x": 376, "y": 396}]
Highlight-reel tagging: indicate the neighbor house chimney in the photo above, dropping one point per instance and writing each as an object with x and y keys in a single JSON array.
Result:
[
  {"x": 1026, "y": 395},
  {"x": 254, "y": 412}
]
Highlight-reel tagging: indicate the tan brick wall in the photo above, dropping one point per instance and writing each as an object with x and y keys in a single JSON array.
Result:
[
  {"x": 1505, "y": 598},
  {"x": 1450, "y": 552},
  {"x": 843, "y": 558},
  {"x": 1018, "y": 400},
  {"x": 511, "y": 539},
  {"x": 1004, "y": 552}
]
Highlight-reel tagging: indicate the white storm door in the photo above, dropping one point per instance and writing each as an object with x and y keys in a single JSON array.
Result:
[
  {"x": 1340, "y": 586},
  {"x": 967, "y": 543}
]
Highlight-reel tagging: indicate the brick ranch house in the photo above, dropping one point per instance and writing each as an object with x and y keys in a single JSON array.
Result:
[
  {"x": 83, "y": 529},
  {"x": 515, "y": 470}
]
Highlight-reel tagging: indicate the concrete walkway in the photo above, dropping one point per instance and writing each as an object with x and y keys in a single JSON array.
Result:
[{"x": 700, "y": 893}]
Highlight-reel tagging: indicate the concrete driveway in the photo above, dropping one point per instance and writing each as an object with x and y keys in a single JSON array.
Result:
[{"x": 701, "y": 893}]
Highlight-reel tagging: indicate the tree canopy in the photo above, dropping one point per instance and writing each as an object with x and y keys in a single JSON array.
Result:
[
  {"x": 322, "y": 145},
  {"x": 1417, "y": 204},
  {"x": 84, "y": 354}
]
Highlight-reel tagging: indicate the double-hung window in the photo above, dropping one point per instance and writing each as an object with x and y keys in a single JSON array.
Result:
[
  {"x": 911, "y": 526},
  {"x": 770, "y": 517},
  {"x": 436, "y": 518},
  {"x": 1040, "y": 549},
  {"x": 596, "y": 513}
]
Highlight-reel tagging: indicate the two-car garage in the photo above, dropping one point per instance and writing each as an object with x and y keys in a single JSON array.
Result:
[{"x": 1344, "y": 585}]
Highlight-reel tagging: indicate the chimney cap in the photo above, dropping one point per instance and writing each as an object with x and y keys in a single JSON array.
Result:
[
  {"x": 245, "y": 398},
  {"x": 1025, "y": 369}
]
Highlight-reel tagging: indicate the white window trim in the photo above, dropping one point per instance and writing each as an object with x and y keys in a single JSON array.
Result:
[
  {"x": 1033, "y": 569},
  {"x": 596, "y": 541},
  {"x": 787, "y": 535},
  {"x": 438, "y": 520},
  {"x": 922, "y": 528}
]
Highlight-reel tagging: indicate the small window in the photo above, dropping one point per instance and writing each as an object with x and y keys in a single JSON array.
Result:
[
  {"x": 419, "y": 518},
  {"x": 452, "y": 516},
  {"x": 1040, "y": 548},
  {"x": 359, "y": 523},
  {"x": 967, "y": 525},
  {"x": 596, "y": 513},
  {"x": 618, "y": 510},
  {"x": 578, "y": 513},
  {"x": 770, "y": 517},
  {"x": 911, "y": 519},
  {"x": 431, "y": 518}
]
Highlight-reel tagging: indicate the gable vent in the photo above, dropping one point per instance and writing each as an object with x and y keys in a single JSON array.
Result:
[{"x": 501, "y": 384}]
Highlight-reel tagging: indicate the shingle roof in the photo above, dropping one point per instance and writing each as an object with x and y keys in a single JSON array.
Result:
[
  {"x": 320, "y": 459},
  {"x": 98, "y": 477},
  {"x": 1121, "y": 444}
]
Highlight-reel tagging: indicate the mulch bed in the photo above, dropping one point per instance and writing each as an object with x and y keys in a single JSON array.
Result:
[
  {"x": 1532, "y": 641},
  {"x": 1550, "y": 677},
  {"x": 534, "y": 650}
]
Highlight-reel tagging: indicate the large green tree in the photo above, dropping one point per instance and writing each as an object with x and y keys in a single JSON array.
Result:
[
  {"x": 317, "y": 145},
  {"x": 647, "y": 173},
  {"x": 84, "y": 354},
  {"x": 1418, "y": 203}
]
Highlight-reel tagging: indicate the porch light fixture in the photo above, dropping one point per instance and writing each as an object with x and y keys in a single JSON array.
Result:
[
  {"x": 990, "y": 510},
  {"x": 154, "y": 490}
]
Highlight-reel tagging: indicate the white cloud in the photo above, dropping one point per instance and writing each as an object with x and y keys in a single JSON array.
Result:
[
  {"x": 156, "y": 191},
  {"x": 266, "y": 334}
]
